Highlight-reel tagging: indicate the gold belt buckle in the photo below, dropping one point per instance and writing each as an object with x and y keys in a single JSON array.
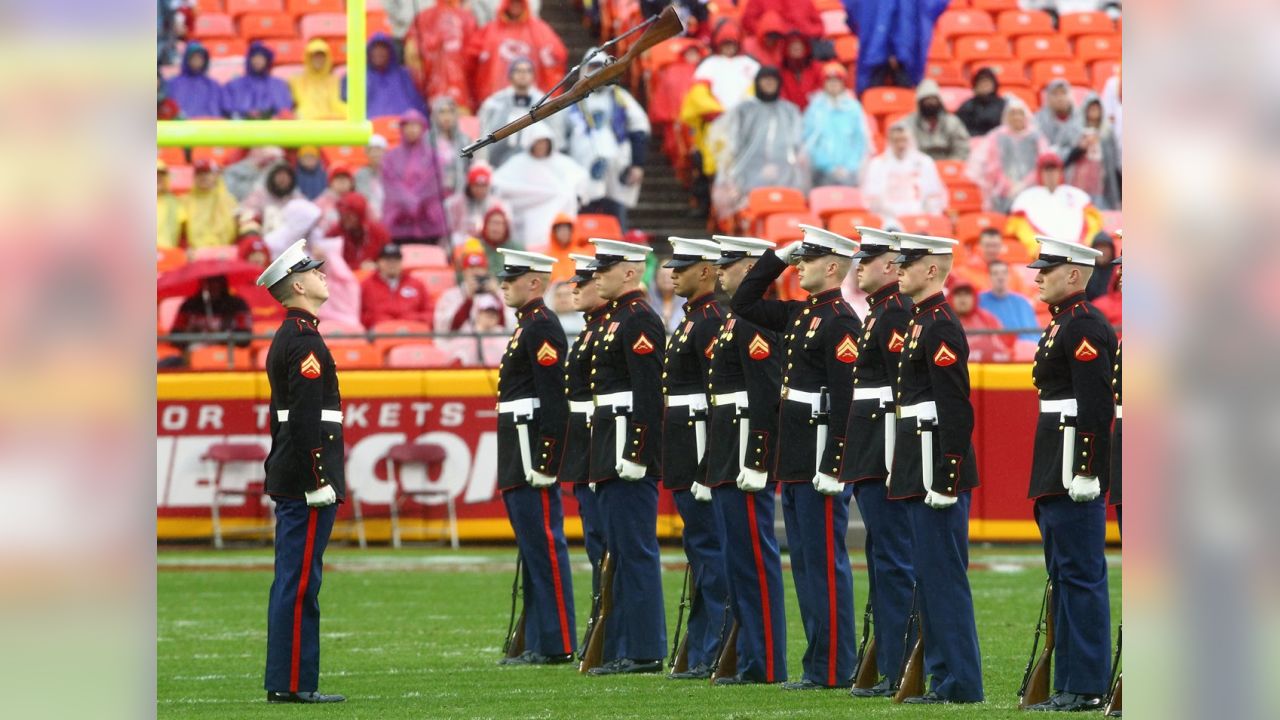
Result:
[{"x": 785, "y": 391}]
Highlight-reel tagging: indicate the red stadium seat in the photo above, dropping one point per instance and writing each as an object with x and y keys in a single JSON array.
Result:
[
  {"x": 845, "y": 223},
  {"x": 972, "y": 48},
  {"x": 993, "y": 6},
  {"x": 1016, "y": 23},
  {"x": 375, "y": 21},
  {"x": 834, "y": 23},
  {"x": 220, "y": 47},
  {"x": 437, "y": 280},
  {"x": 847, "y": 49},
  {"x": 353, "y": 156},
  {"x": 1045, "y": 71},
  {"x": 236, "y": 8},
  {"x": 392, "y": 328},
  {"x": 784, "y": 226},
  {"x": 954, "y": 23},
  {"x": 886, "y": 100},
  {"x": 827, "y": 200},
  {"x": 954, "y": 96},
  {"x": 209, "y": 6},
  {"x": 1072, "y": 25},
  {"x": 926, "y": 225},
  {"x": 216, "y": 252},
  {"x": 952, "y": 171},
  {"x": 363, "y": 356},
  {"x": 1008, "y": 72},
  {"x": 223, "y": 156},
  {"x": 1031, "y": 98},
  {"x": 591, "y": 225},
  {"x": 169, "y": 259},
  {"x": 765, "y": 200},
  {"x": 289, "y": 51},
  {"x": 939, "y": 48},
  {"x": 302, "y": 7},
  {"x": 970, "y": 225},
  {"x": 946, "y": 73},
  {"x": 216, "y": 357},
  {"x": 261, "y": 26},
  {"x": 1043, "y": 47},
  {"x": 213, "y": 25},
  {"x": 1015, "y": 253},
  {"x": 171, "y": 156},
  {"x": 1097, "y": 47},
  {"x": 419, "y": 256},
  {"x": 1101, "y": 71},
  {"x": 325, "y": 25},
  {"x": 389, "y": 128},
  {"x": 420, "y": 355},
  {"x": 964, "y": 197}
]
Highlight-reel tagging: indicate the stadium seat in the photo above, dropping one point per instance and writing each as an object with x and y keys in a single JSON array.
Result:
[
  {"x": 213, "y": 25},
  {"x": 1101, "y": 71},
  {"x": 885, "y": 100},
  {"x": 1042, "y": 47},
  {"x": 431, "y": 457},
  {"x": 847, "y": 49},
  {"x": 1111, "y": 220},
  {"x": 1031, "y": 98},
  {"x": 845, "y": 223},
  {"x": 224, "y": 69},
  {"x": 436, "y": 280},
  {"x": 243, "y": 453},
  {"x": 834, "y": 23},
  {"x": 954, "y": 96},
  {"x": 268, "y": 328},
  {"x": 1008, "y": 72},
  {"x": 171, "y": 155},
  {"x": 1024, "y": 351},
  {"x": 362, "y": 356},
  {"x": 375, "y": 21},
  {"x": 288, "y": 51},
  {"x": 302, "y": 7},
  {"x": 824, "y": 5},
  {"x": 946, "y": 73},
  {"x": 827, "y": 200},
  {"x": 216, "y": 252},
  {"x": 216, "y": 358},
  {"x": 420, "y": 355},
  {"x": 389, "y": 329},
  {"x": 223, "y": 156},
  {"x": 784, "y": 226},
  {"x": 939, "y": 49},
  {"x": 181, "y": 178},
  {"x": 1045, "y": 71},
  {"x": 926, "y": 225},
  {"x": 1015, "y": 253},
  {"x": 236, "y": 8},
  {"x": 955, "y": 23},
  {"x": 591, "y": 225},
  {"x": 994, "y": 6},
  {"x": 964, "y": 197},
  {"x": 1097, "y": 47},
  {"x": 167, "y": 312},
  {"x": 209, "y": 6},
  {"x": 970, "y": 225},
  {"x": 973, "y": 48},
  {"x": 325, "y": 25},
  {"x": 952, "y": 171},
  {"x": 389, "y": 128},
  {"x": 353, "y": 156},
  {"x": 1072, "y": 25},
  {"x": 169, "y": 259},
  {"x": 219, "y": 47},
  {"x": 286, "y": 71},
  {"x": 1016, "y": 23},
  {"x": 262, "y": 26},
  {"x": 418, "y": 256}
]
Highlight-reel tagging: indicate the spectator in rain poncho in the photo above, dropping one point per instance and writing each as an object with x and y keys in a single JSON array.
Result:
[
  {"x": 209, "y": 209},
  {"x": 610, "y": 138},
  {"x": 837, "y": 137},
  {"x": 363, "y": 236},
  {"x": 1059, "y": 120},
  {"x": 389, "y": 89},
  {"x": 449, "y": 143},
  {"x": 1005, "y": 164},
  {"x": 902, "y": 180},
  {"x": 369, "y": 178},
  {"x": 508, "y": 104},
  {"x": 434, "y": 52},
  {"x": 315, "y": 90},
  {"x": 894, "y": 38},
  {"x": 301, "y": 219},
  {"x": 983, "y": 112},
  {"x": 1095, "y": 166},
  {"x": 269, "y": 199},
  {"x": 311, "y": 173},
  {"x": 730, "y": 72},
  {"x": 243, "y": 176},
  {"x": 413, "y": 208},
  {"x": 938, "y": 133},
  {"x": 465, "y": 210},
  {"x": 257, "y": 95},
  {"x": 1052, "y": 208},
  {"x": 764, "y": 147},
  {"x": 171, "y": 216},
  {"x": 515, "y": 32},
  {"x": 537, "y": 185},
  {"x": 197, "y": 94},
  {"x": 801, "y": 74}
]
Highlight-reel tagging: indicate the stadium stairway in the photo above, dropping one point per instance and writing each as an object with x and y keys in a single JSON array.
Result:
[{"x": 664, "y": 203}]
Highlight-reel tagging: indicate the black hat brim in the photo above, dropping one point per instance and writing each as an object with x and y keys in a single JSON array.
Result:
[
  {"x": 675, "y": 263},
  {"x": 511, "y": 273},
  {"x": 579, "y": 277},
  {"x": 870, "y": 251}
]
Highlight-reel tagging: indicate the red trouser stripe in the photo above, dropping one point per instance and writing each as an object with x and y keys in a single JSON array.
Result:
[
  {"x": 764, "y": 588},
  {"x": 556, "y": 580},
  {"x": 831, "y": 593},
  {"x": 295, "y": 663}
]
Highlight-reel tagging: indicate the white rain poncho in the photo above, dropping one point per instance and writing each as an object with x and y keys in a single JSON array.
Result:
[{"x": 538, "y": 189}]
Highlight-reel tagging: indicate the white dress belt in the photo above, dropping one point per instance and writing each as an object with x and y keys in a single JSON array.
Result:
[
  {"x": 1064, "y": 408},
  {"x": 581, "y": 406},
  {"x": 1119, "y": 414},
  {"x": 523, "y": 406},
  {"x": 734, "y": 398},
  {"x": 693, "y": 401},
  {"x": 808, "y": 398},
  {"x": 325, "y": 416},
  {"x": 921, "y": 411},
  {"x": 615, "y": 400},
  {"x": 883, "y": 393}
]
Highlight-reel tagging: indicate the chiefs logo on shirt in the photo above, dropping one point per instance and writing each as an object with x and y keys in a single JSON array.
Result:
[
  {"x": 643, "y": 345},
  {"x": 547, "y": 354},
  {"x": 847, "y": 350},
  {"x": 758, "y": 348},
  {"x": 310, "y": 366},
  {"x": 1086, "y": 352},
  {"x": 945, "y": 356},
  {"x": 897, "y": 342}
]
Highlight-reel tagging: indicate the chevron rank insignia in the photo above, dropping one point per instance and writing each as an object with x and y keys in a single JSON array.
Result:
[
  {"x": 945, "y": 356},
  {"x": 1086, "y": 352},
  {"x": 896, "y": 342},
  {"x": 310, "y": 367},
  {"x": 847, "y": 350},
  {"x": 758, "y": 349},
  {"x": 643, "y": 345},
  {"x": 547, "y": 354}
]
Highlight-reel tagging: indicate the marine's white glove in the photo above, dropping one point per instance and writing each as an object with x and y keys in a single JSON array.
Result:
[
  {"x": 592, "y": 486},
  {"x": 1084, "y": 489},
  {"x": 938, "y": 501},
  {"x": 628, "y": 470},
  {"x": 827, "y": 485},
  {"x": 540, "y": 480},
  {"x": 750, "y": 480},
  {"x": 701, "y": 492},
  {"x": 788, "y": 250},
  {"x": 322, "y": 497}
]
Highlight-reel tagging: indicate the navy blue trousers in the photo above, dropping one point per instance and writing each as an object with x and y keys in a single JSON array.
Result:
[
  {"x": 293, "y": 612},
  {"x": 592, "y": 530},
  {"x": 637, "y": 626},
  {"x": 816, "y": 525},
  {"x": 753, "y": 569},
  {"x": 707, "y": 626},
  {"x": 890, "y": 572},
  {"x": 1074, "y": 542},
  {"x": 940, "y": 552},
  {"x": 538, "y": 521}
]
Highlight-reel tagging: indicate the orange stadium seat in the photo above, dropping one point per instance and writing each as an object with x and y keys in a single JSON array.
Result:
[
  {"x": 1112, "y": 220},
  {"x": 392, "y": 328},
  {"x": 1101, "y": 71},
  {"x": 363, "y": 356},
  {"x": 215, "y": 357},
  {"x": 325, "y": 25},
  {"x": 289, "y": 51},
  {"x": 939, "y": 48},
  {"x": 994, "y": 6},
  {"x": 1042, "y": 47},
  {"x": 970, "y": 225},
  {"x": 436, "y": 280},
  {"x": 828, "y": 200},
  {"x": 171, "y": 155},
  {"x": 375, "y": 21},
  {"x": 181, "y": 178},
  {"x": 765, "y": 200},
  {"x": 1032, "y": 99},
  {"x": 259, "y": 26},
  {"x": 236, "y": 8},
  {"x": 224, "y": 69},
  {"x": 926, "y": 225},
  {"x": 1008, "y": 72},
  {"x": 1097, "y": 47},
  {"x": 353, "y": 156},
  {"x": 847, "y": 49},
  {"x": 419, "y": 256},
  {"x": 954, "y": 23},
  {"x": 268, "y": 327},
  {"x": 953, "y": 96},
  {"x": 589, "y": 225},
  {"x": 420, "y": 355},
  {"x": 1015, "y": 253},
  {"x": 886, "y": 100},
  {"x": 1045, "y": 71},
  {"x": 1016, "y": 23},
  {"x": 209, "y": 6},
  {"x": 972, "y": 48},
  {"x": 169, "y": 259},
  {"x": 389, "y": 128},
  {"x": 952, "y": 171},
  {"x": 1075, "y": 24},
  {"x": 213, "y": 25},
  {"x": 223, "y": 156},
  {"x": 824, "y": 5},
  {"x": 964, "y": 197},
  {"x": 225, "y": 46},
  {"x": 845, "y": 223},
  {"x": 784, "y": 226},
  {"x": 946, "y": 73},
  {"x": 302, "y": 7}
]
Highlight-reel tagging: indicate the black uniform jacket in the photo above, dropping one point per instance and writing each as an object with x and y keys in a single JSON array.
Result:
[
  {"x": 821, "y": 345},
  {"x": 935, "y": 367},
  {"x": 575, "y": 464},
  {"x": 684, "y": 372},
  {"x": 1074, "y": 360},
  {"x": 744, "y": 358},
  {"x": 628, "y": 359},
  {"x": 884, "y": 337},
  {"x": 533, "y": 367},
  {"x": 307, "y": 450},
  {"x": 1116, "y": 444}
]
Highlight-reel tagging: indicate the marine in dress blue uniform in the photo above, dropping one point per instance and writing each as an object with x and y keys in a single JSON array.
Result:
[
  {"x": 744, "y": 384},
  {"x": 304, "y": 475},
  {"x": 684, "y": 444},
  {"x": 1073, "y": 375},
  {"x": 1117, "y": 389},
  {"x": 868, "y": 454},
  {"x": 821, "y": 341},
  {"x": 626, "y": 453},
  {"x": 532, "y": 412},
  {"x": 934, "y": 470}
]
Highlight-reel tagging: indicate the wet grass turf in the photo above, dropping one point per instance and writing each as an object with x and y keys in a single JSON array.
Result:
[{"x": 416, "y": 634}]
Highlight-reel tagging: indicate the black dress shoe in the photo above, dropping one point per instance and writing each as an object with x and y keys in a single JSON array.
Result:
[
  {"x": 528, "y": 657},
  {"x": 804, "y": 685},
  {"x": 929, "y": 698},
  {"x": 881, "y": 689},
  {"x": 698, "y": 672},
  {"x": 737, "y": 680},
  {"x": 303, "y": 697},
  {"x": 626, "y": 666},
  {"x": 1069, "y": 702}
]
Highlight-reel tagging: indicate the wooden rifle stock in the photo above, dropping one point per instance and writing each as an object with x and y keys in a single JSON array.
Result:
[
  {"x": 867, "y": 673},
  {"x": 515, "y": 643},
  {"x": 1114, "y": 705},
  {"x": 680, "y": 652},
  {"x": 911, "y": 680},
  {"x": 727, "y": 661},
  {"x": 593, "y": 656},
  {"x": 666, "y": 26},
  {"x": 1035, "y": 680}
]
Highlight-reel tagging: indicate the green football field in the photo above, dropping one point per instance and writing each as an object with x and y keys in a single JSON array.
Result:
[{"x": 416, "y": 634}]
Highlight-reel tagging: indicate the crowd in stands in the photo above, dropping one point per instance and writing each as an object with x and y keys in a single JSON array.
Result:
[{"x": 982, "y": 121}]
